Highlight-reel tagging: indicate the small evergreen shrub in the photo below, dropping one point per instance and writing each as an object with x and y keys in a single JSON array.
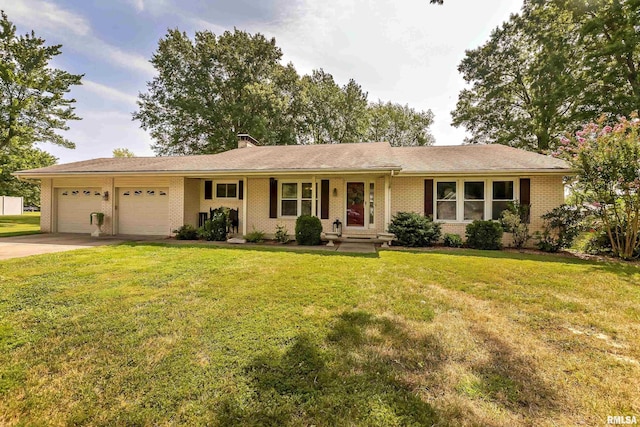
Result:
[
  {"x": 308, "y": 229},
  {"x": 282, "y": 234},
  {"x": 215, "y": 228},
  {"x": 186, "y": 232},
  {"x": 562, "y": 225},
  {"x": 513, "y": 220},
  {"x": 414, "y": 230},
  {"x": 452, "y": 240},
  {"x": 484, "y": 235},
  {"x": 255, "y": 236}
]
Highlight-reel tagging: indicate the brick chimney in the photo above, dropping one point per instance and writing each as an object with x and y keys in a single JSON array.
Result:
[{"x": 246, "y": 141}]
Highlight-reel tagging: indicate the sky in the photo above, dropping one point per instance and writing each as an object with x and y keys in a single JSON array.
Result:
[{"x": 404, "y": 51}]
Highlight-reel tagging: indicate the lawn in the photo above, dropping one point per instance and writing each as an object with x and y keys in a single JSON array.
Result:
[
  {"x": 146, "y": 334},
  {"x": 16, "y": 225}
]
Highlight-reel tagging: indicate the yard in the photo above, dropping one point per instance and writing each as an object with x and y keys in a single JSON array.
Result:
[
  {"x": 15, "y": 225},
  {"x": 161, "y": 335}
]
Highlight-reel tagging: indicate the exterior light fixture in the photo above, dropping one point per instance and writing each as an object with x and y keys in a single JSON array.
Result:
[{"x": 105, "y": 196}]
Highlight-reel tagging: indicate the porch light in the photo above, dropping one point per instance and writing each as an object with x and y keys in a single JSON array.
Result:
[
  {"x": 105, "y": 196},
  {"x": 337, "y": 227},
  {"x": 335, "y": 192}
]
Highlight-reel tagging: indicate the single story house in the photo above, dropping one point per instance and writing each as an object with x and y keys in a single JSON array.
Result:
[{"x": 363, "y": 185}]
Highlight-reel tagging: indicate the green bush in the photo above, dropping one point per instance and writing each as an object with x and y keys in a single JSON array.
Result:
[
  {"x": 484, "y": 235},
  {"x": 308, "y": 229},
  {"x": 562, "y": 225},
  {"x": 452, "y": 240},
  {"x": 215, "y": 228},
  {"x": 186, "y": 232},
  {"x": 255, "y": 236},
  {"x": 514, "y": 221},
  {"x": 414, "y": 230},
  {"x": 282, "y": 234}
]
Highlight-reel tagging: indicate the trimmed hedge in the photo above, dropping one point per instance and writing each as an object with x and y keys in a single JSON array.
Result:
[
  {"x": 308, "y": 230},
  {"x": 484, "y": 235},
  {"x": 414, "y": 230}
]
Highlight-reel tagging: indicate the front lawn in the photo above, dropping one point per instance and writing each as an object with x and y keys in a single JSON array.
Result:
[
  {"x": 17, "y": 225},
  {"x": 167, "y": 335}
]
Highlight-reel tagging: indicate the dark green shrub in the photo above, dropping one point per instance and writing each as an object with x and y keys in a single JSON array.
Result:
[
  {"x": 308, "y": 229},
  {"x": 452, "y": 240},
  {"x": 186, "y": 232},
  {"x": 484, "y": 235},
  {"x": 282, "y": 234},
  {"x": 255, "y": 236},
  {"x": 215, "y": 228},
  {"x": 562, "y": 225},
  {"x": 414, "y": 230}
]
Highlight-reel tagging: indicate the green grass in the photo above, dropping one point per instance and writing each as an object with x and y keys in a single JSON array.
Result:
[
  {"x": 17, "y": 225},
  {"x": 192, "y": 335}
]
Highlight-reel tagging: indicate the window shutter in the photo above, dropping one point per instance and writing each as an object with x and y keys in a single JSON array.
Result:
[
  {"x": 428, "y": 197},
  {"x": 208, "y": 190},
  {"x": 525, "y": 196},
  {"x": 273, "y": 198},
  {"x": 324, "y": 199},
  {"x": 241, "y": 189}
]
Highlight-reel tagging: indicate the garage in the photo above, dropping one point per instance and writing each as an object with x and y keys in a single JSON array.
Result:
[
  {"x": 74, "y": 208},
  {"x": 143, "y": 211}
]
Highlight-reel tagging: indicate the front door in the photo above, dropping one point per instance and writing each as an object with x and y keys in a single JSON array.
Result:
[{"x": 356, "y": 204}]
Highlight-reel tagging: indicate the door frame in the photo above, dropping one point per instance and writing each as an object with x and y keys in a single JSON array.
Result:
[{"x": 367, "y": 188}]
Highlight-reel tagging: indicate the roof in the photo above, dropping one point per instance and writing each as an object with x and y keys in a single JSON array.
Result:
[{"x": 374, "y": 156}]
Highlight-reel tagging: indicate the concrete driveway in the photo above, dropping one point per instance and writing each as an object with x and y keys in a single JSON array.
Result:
[{"x": 36, "y": 244}]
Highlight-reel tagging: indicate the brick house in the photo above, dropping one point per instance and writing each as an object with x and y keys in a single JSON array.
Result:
[{"x": 363, "y": 185}]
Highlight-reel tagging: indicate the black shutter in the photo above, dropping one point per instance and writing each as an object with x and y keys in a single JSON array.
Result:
[
  {"x": 241, "y": 190},
  {"x": 324, "y": 199},
  {"x": 525, "y": 197},
  {"x": 208, "y": 190},
  {"x": 273, "y": 198},
  {"x": 428, "y": 197}
]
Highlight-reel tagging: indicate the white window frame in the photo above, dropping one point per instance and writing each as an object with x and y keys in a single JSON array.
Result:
[
  {"x": 488, "y": 196},
  {"x": 483, "y": 200},
  {"x": 214, "y": 190},
  {"x": 299, "y": 197}
]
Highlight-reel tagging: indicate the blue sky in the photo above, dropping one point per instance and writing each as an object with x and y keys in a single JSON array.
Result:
[{"x": 402, "y": 51}]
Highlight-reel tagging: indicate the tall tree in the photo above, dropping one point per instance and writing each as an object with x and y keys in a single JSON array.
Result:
[
  {"x": 213, "y": 87},
  {"x": 526, "y": 85},
  {"x": 399, "y": 124},
  {"x": 32, "y": 94}
]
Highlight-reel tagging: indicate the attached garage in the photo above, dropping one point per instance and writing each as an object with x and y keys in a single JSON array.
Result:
[
  {"x": 74, "y": 208},
  {"x": 143, "y": 211}
]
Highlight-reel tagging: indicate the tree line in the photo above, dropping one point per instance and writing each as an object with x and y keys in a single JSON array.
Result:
[{"x": 210, "y": 88}]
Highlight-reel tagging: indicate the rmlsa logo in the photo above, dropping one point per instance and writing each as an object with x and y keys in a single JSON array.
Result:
[{"x": 622, "y": 419}]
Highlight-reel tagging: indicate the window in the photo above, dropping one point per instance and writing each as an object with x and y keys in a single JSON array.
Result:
[
  {"x": 208, "y": 190},
  {"x": 296, "y": 198},
  {"x": 502, "y": 195},
  {"x": 226, "y": 191},
  {"x": 473, "y": 200},
  {"x": 372, "y": 210},
  {"x": 446, "y": 201}
]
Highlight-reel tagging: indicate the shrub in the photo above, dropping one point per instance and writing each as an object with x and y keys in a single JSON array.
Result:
[
  {"x": 484, "y": 235},
  {"x": 215, "y": 228},
  {"x": 414, "y": 230},
  {"x": 562, "y": 225},
  {"x": 186, "y": 232},
  {"x": 513, "y": 220},
  {"x": 282, "y": 234},
  {"x": 255, "y": 236},
  {"x": 452, "y": 240},
  {"x": 308, "y": 229}
]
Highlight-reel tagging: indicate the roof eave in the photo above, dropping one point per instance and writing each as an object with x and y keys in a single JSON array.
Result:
[{"x": 492, "y": 172}]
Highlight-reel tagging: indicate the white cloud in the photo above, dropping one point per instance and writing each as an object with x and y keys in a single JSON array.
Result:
[
  {"x": 47, "y": 16},
  {"x": 75, "y": 32},
  {"x": 108, "y": 92},
  {"x": 138, "y": 4}
]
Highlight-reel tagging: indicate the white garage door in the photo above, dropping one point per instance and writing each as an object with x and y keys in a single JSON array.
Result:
[
  {"x": 74, "y": 208},
  {"x": 143, "y": 210}
]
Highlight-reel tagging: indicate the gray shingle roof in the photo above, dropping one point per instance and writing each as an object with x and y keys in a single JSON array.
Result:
[{"x": 338, "y": 157}]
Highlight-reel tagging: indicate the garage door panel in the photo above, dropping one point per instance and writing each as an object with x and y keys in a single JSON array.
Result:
[
  {"x": 75, "y": 206},
  {"x": 143, "y": 211}
]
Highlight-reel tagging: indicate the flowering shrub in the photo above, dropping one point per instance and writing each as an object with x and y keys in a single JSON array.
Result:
[{"x": 607, "y": 161}]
